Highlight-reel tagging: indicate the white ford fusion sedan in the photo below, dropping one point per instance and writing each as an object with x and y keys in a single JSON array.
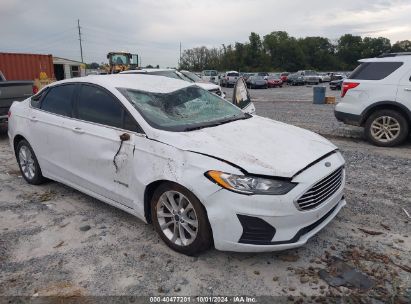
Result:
[{"x": 194, "y": 165}]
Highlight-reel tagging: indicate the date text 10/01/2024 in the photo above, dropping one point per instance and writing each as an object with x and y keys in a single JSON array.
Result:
[{"x": 202, "y": 299}]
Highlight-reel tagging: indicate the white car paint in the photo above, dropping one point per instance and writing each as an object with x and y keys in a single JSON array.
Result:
[
  {"x": 241, "y": 144},
  {"x": 80, "y": 154}
]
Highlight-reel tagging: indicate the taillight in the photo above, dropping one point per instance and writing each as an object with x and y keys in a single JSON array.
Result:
[
  {"x": 348, "y": 86},
  {"x": 35, "y": 89},
  {"x": 8, "y": 114}
]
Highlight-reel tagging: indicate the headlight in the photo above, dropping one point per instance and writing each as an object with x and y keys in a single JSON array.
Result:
[{"x": 250, "y": 184}]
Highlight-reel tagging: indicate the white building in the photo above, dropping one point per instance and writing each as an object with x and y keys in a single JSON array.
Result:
[{"x": 67, "y": 68}]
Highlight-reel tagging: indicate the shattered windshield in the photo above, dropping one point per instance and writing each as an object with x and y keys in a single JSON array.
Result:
[{"x": 186, "y": 109}]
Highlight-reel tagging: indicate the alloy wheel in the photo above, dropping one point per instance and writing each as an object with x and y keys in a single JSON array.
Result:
[
  {"x": 26, "y": 161},
  {"x": 177, "y": 218},
  {"x": 385, "y": 128}
]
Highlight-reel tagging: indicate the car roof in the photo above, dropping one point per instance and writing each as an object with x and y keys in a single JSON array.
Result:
[
  {"x": 403, "y": 58},
  {"x": 148, "y": 83},
  {"x": 146, "y": 71}
]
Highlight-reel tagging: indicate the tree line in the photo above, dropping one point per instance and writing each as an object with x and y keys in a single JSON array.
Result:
[{"x": 279, "y": 51}]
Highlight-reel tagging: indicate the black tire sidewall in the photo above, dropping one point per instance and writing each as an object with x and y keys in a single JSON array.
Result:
[
  {"x": 404, "y": 128},
  {"x": 38, "y": 176},
  {"x": 203, "y": 240}
]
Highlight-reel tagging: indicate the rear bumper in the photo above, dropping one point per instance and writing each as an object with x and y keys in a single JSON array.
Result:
[
  {"x": 259, "y": 85},
  {"x": 275, "y": 84},
  {"x": 348, "y": 118}
]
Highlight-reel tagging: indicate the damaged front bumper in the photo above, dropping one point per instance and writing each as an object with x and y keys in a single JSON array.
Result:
[{"x": 255, "y": 223}]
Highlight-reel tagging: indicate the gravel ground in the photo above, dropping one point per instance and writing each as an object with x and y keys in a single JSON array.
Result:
[{"x": 57, "y": 241}]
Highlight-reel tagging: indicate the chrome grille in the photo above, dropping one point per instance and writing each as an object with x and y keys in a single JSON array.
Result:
[{"x": 322, "y": 190}]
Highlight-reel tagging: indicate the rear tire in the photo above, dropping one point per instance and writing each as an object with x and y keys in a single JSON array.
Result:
[
  {"x": 386, "y": 128},
  {"x": 28, "y": 164},
  {"x": 180, "y": 219}
]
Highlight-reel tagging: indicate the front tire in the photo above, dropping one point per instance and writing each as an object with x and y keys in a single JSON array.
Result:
[
  {"x": 28, "y": 164},
  {"x": 386, "y": 128},
  {"x": 180, "y": 219}
]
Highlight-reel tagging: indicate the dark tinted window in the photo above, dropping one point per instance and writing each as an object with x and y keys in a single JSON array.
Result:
[
  {"x": 233, "y": 74},
  {"x": 36, "y": 99},
  {"x": 96, "y": 105},
  {"x": 374, "y": 70},
  {"x": 58, "y": 100},
  {"x": 130, "y": 124}
]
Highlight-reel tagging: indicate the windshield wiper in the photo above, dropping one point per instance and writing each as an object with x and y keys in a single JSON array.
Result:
[{"x": 246, "y": 116}]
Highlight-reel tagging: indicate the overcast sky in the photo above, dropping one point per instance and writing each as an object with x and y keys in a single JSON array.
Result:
[{"x": 154, "y": 28}]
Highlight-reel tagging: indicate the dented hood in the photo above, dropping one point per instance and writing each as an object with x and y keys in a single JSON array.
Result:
[{"x": 257, "y": 145}]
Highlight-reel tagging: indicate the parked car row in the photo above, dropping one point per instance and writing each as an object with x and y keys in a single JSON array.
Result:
[{"x": 301, "y": 77}]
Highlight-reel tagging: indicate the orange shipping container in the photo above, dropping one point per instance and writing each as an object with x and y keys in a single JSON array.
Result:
[{"x": 16, "y": 66}]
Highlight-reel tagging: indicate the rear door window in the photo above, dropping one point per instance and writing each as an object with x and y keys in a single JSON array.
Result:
[
  {"x": 58, "y": 100},
  {"x": 374, "y": 70}
]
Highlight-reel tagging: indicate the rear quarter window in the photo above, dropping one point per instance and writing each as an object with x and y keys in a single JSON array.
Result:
[
  {"x": 374, "y": 70},
  {"x": 59, "y": 100}
]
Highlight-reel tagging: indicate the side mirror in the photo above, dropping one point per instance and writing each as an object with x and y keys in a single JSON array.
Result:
[
  {"x": 241, "y": 96},
  {"x": 125, "y": 137}
]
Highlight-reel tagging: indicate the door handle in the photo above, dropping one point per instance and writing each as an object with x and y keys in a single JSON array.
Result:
[
  {"x": 34, "y": 119},
  {"x": 407, "y": 89},
  {"x": 78, "y": 130}
]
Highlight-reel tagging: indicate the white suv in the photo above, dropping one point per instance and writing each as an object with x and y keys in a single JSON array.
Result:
[{"x": 377, "y": 96}]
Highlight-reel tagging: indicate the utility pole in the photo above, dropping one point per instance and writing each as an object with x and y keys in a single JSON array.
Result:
[
  {"x": 79, "y": 38},
  {"x": 179, "y": 61}
]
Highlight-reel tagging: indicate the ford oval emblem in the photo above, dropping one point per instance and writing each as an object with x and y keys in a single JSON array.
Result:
[{"x": 327, "y": 164}]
